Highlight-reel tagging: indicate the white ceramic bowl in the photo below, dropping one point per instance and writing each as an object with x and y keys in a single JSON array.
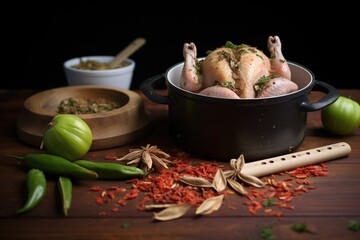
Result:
[{"x": 118, "y": 77}]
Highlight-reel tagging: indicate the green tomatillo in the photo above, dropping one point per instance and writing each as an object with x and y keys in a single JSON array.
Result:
[
  {"x": 342, "y": 117},
  {"x": 68, "y": 136}
]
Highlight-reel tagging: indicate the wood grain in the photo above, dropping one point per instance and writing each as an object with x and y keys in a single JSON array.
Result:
[{"x": 326, "y": 209}]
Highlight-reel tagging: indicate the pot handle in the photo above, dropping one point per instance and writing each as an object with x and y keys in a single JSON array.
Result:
[
  {"x": 147, "y": 88},
  {"x": 331, "y": 95}
]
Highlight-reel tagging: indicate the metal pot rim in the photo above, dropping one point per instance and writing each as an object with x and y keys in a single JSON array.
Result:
[{"x": 306, "y": 88}]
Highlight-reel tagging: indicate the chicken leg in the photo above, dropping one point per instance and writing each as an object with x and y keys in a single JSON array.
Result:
[
  {"x": 281, "y": 84},
  {"x": 278, "y": 63},
  {"x": 190, "y": 78}
]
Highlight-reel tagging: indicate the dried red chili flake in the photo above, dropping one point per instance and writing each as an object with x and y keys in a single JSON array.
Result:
[
  {"x": 251, "y": 210},
  {"x": 310, "y": 170},
  {"x": 204, "y": 170},
  {"x": 286, "y": 206},
  {"x": 175, "y": 198},
  {"x": 134, "y": 193},
  {"x": 321, "y": 173},
  {"x": 303, "y": 181},
  {"x": 95, "y": 189},
  {"x": 300, "y": 188},
  {"x": 288, "y": 198},
  {"x": 110, "y": 157},
  {"x": 111, "y": 195},
  {"x": 283, "y": 190},
  {"x": 100, "y": 200},
  {"x": 165, "y": 187},
  {"x": 194, "y": 196},
  {"x": 115, "y": 188},
  {"x": 115, "y": 209},
  {"x": 302, "y": 175},
  {"x": 253, "y": 206},
  {"x": 288, "y": 179},
  {"x": 121, "y": 202},
  {"x": 274, "y": 213}
]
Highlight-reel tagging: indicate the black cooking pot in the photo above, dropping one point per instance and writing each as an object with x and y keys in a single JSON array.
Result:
[{"x": 223, "y": 129}]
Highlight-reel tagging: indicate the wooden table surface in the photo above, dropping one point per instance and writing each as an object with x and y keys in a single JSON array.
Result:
[{"x": 326, "y": 210}]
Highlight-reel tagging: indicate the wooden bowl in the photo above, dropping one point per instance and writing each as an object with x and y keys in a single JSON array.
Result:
[{"x": 110, "y": 129}]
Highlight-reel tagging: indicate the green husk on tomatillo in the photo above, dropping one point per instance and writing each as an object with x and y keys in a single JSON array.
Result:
[{"x": 67, "y": 136}]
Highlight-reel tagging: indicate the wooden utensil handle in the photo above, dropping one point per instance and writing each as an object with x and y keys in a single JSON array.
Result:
[
  {"x": 128, "y": 51},
  {"x": 298, "y": 159}
]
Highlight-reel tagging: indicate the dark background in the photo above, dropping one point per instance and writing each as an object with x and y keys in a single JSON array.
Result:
[{"x": 323, "y": 40}]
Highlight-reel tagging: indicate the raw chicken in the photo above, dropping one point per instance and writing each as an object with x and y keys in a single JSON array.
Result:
[{"x": 237, "y": 71}]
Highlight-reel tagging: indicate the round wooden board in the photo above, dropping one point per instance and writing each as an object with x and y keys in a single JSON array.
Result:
[{"x": 110, "y": 129}]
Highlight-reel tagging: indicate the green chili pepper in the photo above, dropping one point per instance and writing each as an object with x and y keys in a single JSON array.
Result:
[
  {"x": 112, "y": 170},
  {"x": 36, "y": 187},
  {"x": 53, "y": 164},
  {"x": 65, "y": 189}
]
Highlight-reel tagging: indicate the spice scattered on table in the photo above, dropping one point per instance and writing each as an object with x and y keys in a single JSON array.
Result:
[
  {"x": 165, "y": 187},
  {"x": 280, "y": 190},
  {"x": 185, "y": 183}
]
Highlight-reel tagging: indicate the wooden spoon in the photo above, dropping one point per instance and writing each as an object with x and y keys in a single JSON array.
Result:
[{"x": 126, "y": 52}]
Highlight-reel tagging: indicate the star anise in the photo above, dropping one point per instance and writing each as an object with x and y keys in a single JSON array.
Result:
[
  {"x": 235, "y": 173},
  {"x": 147, "y": 158}
]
